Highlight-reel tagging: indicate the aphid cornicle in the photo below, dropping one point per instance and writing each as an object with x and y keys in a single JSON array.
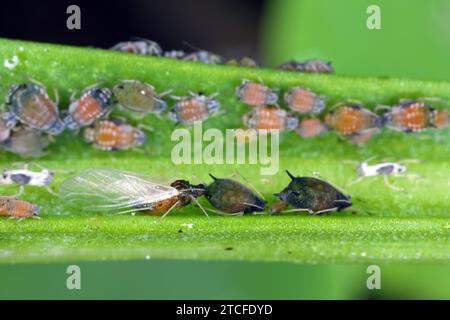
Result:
[
  {"x": 139, "y": 46},
  {"x": 7, "y": 122},
  {"x": 311, "y": 128},
  {"x": 351, "y": 119},
  {"x": 196, "y": 107},
  {"x": 410, "y": 116},
  {"x": 231, "y": 197},
  {"x": 256, "y": 94},
  {"x": 313, "y": 66},
  {"x": 26, "y": 142},
  {"x": 114, "y": 135},
  {"x": 31, "y": 105},
  {"x": 17, "y": 209},
  {"x": 303, "y": 100},
  {"x": 312, "y": 195},
  {"x": 93, "y": 104},
  {"x": 122, "y": 192},
  {"x": 25, "y": 177},
  {"x": 270, "y": 117},
  {"x": 139, "y": 97}
]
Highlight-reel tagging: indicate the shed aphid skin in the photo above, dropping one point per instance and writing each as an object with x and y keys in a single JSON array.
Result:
[
  {"x": 26, "y": 177},
  {"x": 352, "y": 120},
  {"x": 31, "y": 105},
  {"x": 26, "y": 142},
  {"x": 303, "y": 100},
  {"x": 18, "y": 209},
  {"x": 409, "y": 116},
  {"x": 93, "y": 104},
  {"x": 312, "y": 127},
  {"x": 385, "y": 169},
  {"x": 139, "y": 97},
  {"x": 125, "y": 192},
  {"x": 7, "y": 123},
  {"x": 114, "y": 135},
  {"x": 256, "y": 94},
  {"x": 139, "y": 46},
  {"x": 195, "y": 107},
  {"x": 270, "y": 118},
  {"x": 312, "y": 66},
  {"x": 230, "y": 197},
  {"x": 311, "y": 195}
]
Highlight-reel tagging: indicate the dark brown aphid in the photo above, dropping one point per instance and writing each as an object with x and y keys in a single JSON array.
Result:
[
  {"x": 303, "y": 100},
  {"x": 114, "y": 135},
  {"x": 31, "y": 105},
  {"x": 410, "y": 116},
  {"x": 270, "y": 118},
  {"x": 17, "y": 209},
  {"x": 313, "y": 66},
  {"x": 231, "y": 197},
  {"x": 196, "y": 107},
  {"x": 351, "y": 119},
  {"x": 313, "y": 127},
  {"x": 139, "y": 46},
  {"x": 312, "y": 195},
  {"x": 26, "y": 142},
  {"x": 139, "y": 97},
  {"x": 7, "y": 123},
  {"x": 93, "y": 104},
  {"x": 256, "y": 94}
]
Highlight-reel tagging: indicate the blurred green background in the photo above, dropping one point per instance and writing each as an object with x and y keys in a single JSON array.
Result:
[{"x": 413, "y": 42}]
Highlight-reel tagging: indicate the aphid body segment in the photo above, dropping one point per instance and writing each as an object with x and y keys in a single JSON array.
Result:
[
  {"x": 441, "y": 119},
  {"x": 256, "y": 94},
  {"x": 7, "y": 122},
  {"x": 114, "y": 135},
  {"x": 26, "y": 142},
  {"x": 311, "y": 128},
  {"x": 122, "y": 192},
  {"x": 139, "y": 46},
  {"x": 31, "y": 104},
  {"x": 313, "y": 66},
  {"x": 351, "y": 119},
  {"x": 230, "y": 197},
  {"x": 139, "y": 97},
  {"x": 303, "y": 100},
  {"x": 196, "y": 107},
  {"x": 313, "y": 195},
  {"x": 17, "y": 209},
  {"x": 93, "y": 104},
  {"x": 410, "y": 116},
  {"x": 270, "y": 118}
]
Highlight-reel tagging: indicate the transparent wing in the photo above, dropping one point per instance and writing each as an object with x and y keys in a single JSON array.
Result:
[{"x": 110, "y": 189}]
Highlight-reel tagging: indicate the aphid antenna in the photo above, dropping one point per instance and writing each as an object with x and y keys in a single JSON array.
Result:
[
  {"x": 163, "y": 94},
  {"x": 409, "y": 161},
  {"x": 253, "y": 205},
  {"x": 177, "y": 98},
  {"x": 221, "y": 213},
  {"x": 145, "y": 127},
  {"x": 29, "y": 78},
  {"x": 168, "y": 211},
  {"x": 391, "y": 186},
  {"x": 236, "y": 173}
]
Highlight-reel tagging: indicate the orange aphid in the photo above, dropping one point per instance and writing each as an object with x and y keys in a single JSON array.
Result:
[
  {"x": 410, "y": 116},
  {"x": 270, "y": 117},
  {"x": 303, "y": 100},
  {"x": 256, "y": 94},
  {"x": 311, "y": 128},
  {"x": 196, "y": 107},
  {"x": 112, "y": 135},
  {"x": 17, "y": 209},
  {"x": 351, "y": 119}
]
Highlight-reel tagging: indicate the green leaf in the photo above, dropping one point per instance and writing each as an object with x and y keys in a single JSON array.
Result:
[{"x": 410, "y": 226}]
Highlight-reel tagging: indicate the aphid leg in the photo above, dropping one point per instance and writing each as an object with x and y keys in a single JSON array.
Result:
[
  {"x": 51, "y": 191},
  {"x": 145, "y": 127},
  {"x": 236, "y": 173},
  {"x": 386, "y": 182},
  {"x": 35, "y": 81},
  {"x": 72, "y": 95},
  {"x": 168, "y": 211},
  {"x": 165, "y": 93},
  {"x": 221, "y": 213},
  {"x": 55, "y": 93},
  {"x": 358, "y": 180},
  {"x": 325, "y": 211},
  {"x": 200, "y": 206},
  {"x": 298, "y": 210},
  {"x": 21, "y": 191},
  {"x": 409, "y": 161}
]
